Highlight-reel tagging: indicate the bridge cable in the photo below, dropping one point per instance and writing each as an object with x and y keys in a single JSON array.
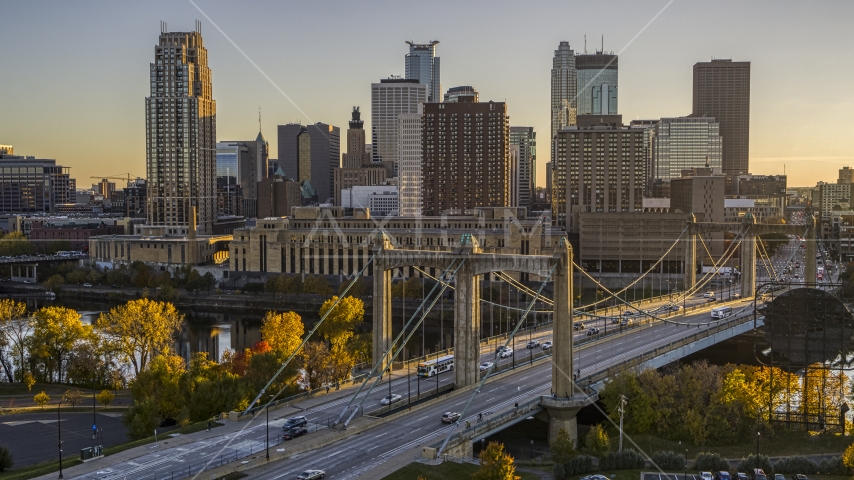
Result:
[
  {"x": 395, "y": 341},
  {"x": 305, "y": 340},
  {"x": 492, "y": 367},
  {"x": 715, "y": 268},
  {"x": 766, "y": 260}
]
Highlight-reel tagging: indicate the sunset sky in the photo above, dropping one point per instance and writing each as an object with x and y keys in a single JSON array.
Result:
[{"x": 74, "y": 75}]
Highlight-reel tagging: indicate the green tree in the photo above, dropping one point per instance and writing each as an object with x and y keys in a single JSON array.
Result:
[
  {"x": 282, "y": 331},
  {"x": 6, "y": 461},
  {"x": 162, "y": 382},
  {"x": 105, "y": 398},
  {"x": 563, "y": 448},
  {"x": 141, "y": 418},
  {"x": 597, "y": 442},
  {"x": 848, "y": 457},
  {"x": 58, "y": 246},
  {"x": 14, "y": 244},
  {"x": 29, "y": 381},
  {"x": 141, "y": 329},
  {"x": 15, "y": 329},
  {"x": 72, "y": 397},
  {"x": 342, "y": 320},
  {"x": 495, "y": 464},
  {"x": 55, "y": 332},
  {"x": 208, "y": 281},
  {"x": 194, "y": 280},
  {"x": 293, "y": 285},
  {"x": 361, "y": 347},
  {"x": 54, "y": 283},
  {"x": 41, "y": 399},
  {"x": 317, "y": 284}
]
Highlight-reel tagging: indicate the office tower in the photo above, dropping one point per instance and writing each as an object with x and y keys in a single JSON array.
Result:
[
  {"x": 514, "y": 176},
  {"x": 549, "y": 180},
  {"x": 846, "y": 175},
  {"x": 311, "y": 152},
  {"x": 648, "y": 126},
  {"x": 526, "y": 139},
  {"x": 699, "y": 191},
  {"x": 466, "y": 156},
  {"x": 240, "y": 165},
  {"x": 600, "y": 167},
  {"x": 389, "y": 99},
  {"x": 422, "y": 64},
  {"x": 180, "y": 118},
  {"x": 357, "y": 168},
  {"x": 597, "y": 83},
  {"x": 722, "y": 91},
  {"x": 684, "y": 143},
  {"x": 29, "y": 184},
  {"x": 135, "y": 198},
  {"x": 454, "y": 94},
  {"x": 564, "y": 89},
  {"x": 410, "y": 173},
  {"x": 277, "y": 196}
]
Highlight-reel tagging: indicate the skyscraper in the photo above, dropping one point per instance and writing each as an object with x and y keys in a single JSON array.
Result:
[
  {"x": 564, "y": 89},
  {"x": 357, "y": 168},
  {"x": 389, "y": 99},
  {"x": 250, "y": 157},
  {"x": 684, "y": 143},
  {"x": 422, "y": 64},
  {"x": 410, "y": 173},
  {"x": 526, "y": 139},
  {"x": 722, "y": 91},
  {"x": 600, "y": 167},
  {"x": 311, "y": 152},
  {"x": 180, "y": 120},
  {"x": 597, "y": 83},
  {"x": 466, "y": 156}
]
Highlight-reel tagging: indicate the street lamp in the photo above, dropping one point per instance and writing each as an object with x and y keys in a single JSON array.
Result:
[
  {"x": 267, "y": 437},
  {"x": 758, "y": 436},
  {"x": 59, "y": 435}
]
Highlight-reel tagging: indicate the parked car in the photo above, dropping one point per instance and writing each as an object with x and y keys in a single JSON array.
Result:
[
  {"x": 450, "y": 417},
  {"x": 799, "y": 477},
  {"x": 722, "y": 476},
  {"x": 547, "y": 346},
  {"x": 311, "y": 475},
  {"x": 532, "y": 344},
  {"x": 593, "y": 331},
  {"x": 295, "y": 422},
  {"x": 87, "y": 284},
  {"x": 594, "y": 477},
  {"x": 779, "y": 476},
  {"x": 389, "y": 399},
  {"x": 706, "y": 476},
  {"x": 741, "y": 476},
  {"x": 759, "y": 474},
  {"x": 295, "y": 432},
  {"x": 505, "y": 352},
  {"x": 485, "y": 366}
]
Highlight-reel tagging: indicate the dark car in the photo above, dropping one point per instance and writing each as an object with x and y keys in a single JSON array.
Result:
[
  {"x": 533, "y": 344},
  {"x": 741, "y": 476},
  {"x": 295, "y": 432},
  {"x": 295, "y": 422},
  {"x": 578, "y": 326},
  {"x": 799, "y": 477},
  {"x": 722, "y": 476}
]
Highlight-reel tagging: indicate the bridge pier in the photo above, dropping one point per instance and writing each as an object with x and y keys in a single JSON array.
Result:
[
  {"x": 747, "y": 254},
  {"x": 562, "y": 415},
  {"x": 562, "y": 368},
  {"x": 466, "y": 327},
  {"x": 690, "y": 261},
  {"x": 809, "y": 257},
  {"x": 382, "y": 303}
]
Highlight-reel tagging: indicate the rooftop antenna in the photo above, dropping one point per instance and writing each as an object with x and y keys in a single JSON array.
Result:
[
  {"x": 603, "y": 43},
  {"x": 198, "y": 26},
  {"x": 259, "y": 118},
  {"x": 585, "y": 44}
]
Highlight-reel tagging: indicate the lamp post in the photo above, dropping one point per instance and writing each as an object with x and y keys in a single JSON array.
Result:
[
  {"x": 59, "y": 435},
  {"x": 94, "y": 422},
  {"x": 267, "y": 436},
  {"x": 437, "y": 370},
  {"x": 758, "y": 436}
]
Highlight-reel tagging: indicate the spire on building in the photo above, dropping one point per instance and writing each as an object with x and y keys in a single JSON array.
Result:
[{"x": 356, "y": 121}]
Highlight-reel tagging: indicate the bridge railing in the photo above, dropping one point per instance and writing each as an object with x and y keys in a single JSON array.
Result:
[
  {"x": 283, "y": 402},
  {"x": 45, "y": 258},
  {"x": 649, "y": 355},
  {"x": 525, "y": 409}
]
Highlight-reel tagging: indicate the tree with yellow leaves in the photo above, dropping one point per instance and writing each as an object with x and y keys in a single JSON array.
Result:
[
  {"x": 15, "y": 328},
  {"x": 283, "y": 332},
  {"x": 339, "y": 325},
  {"x": 55, "y": 332},
  {"x": 495, "y": 464},
  {"x": 141, "y": 329}
]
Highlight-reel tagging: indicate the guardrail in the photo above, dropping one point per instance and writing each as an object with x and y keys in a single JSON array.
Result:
[
  {"x": 45, "y": 258},
  {"x": 304, "y": 395}
]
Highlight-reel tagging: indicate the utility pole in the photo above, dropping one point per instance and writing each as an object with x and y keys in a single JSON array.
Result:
[{"x": 622, "y": 411}]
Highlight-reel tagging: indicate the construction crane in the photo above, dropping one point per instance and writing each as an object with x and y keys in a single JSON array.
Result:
[{"x": 122, "y": 176}]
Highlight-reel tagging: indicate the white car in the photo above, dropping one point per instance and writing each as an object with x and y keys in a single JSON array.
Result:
[
  {"x": 709, "y": 295},
  {"x": 87, "y": 284},
  {"x": 506, "y": 352},
  {"x": 547, "y": 346},
  {"x": 706, "y": 476},
  {"x": 485, "y": 366},
  {"x": 389, "y": 399},
  {"x": 311, "y": 475}
]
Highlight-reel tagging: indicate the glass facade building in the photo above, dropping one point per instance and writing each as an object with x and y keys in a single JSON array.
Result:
[
  {"x": 422, "y": 64},
  {"x": 684, "y": 143},
  {"x": 29, "y": 184},
  {"x": 597, "y": 84},
  {"x": 526, "y": 140}
]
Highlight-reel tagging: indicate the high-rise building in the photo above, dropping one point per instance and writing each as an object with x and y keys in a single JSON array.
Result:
[
  {"x": 846, "y": 175},
  {"x": 597, "y": 83},
  {"x": 357, "y": 168},
  {"x": 526, "y": 139},
  {"x": 422, "y": 64},
  {"x": 600, "y": 167},
  {"x": 564, "y": 89},
  {"x": 453, "y": 94},
  {"x": 29, "y": 184},
  {"x": 722, "y": 91},
  {"x": 180, "y": 118},
  {"x": 389, "y": 99},
  {"x": 410, "y": 173},
  {"x": 466, "y": 156},
  {"x": 311, "y": 152},
  {"x": 240, "y": 165},
  {"x": 684, "y": 143},
  {"x": 648, "y": 126}
]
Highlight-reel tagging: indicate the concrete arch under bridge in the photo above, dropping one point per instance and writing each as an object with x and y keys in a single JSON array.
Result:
[
  {"x": 467, "y": 299},
  {"x": 749, "y": 230}
]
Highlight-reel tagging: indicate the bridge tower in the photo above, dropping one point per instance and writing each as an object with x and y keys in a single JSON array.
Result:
[
  {"x": 689, "y": 264},
  {"x": 747, "y": 257},
  {"x": 810, "y": 238}
]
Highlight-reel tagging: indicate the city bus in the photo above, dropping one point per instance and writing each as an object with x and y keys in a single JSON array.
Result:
[
  {"x": 436, "y": 366},
  {"x": 721, "y": 312}
]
